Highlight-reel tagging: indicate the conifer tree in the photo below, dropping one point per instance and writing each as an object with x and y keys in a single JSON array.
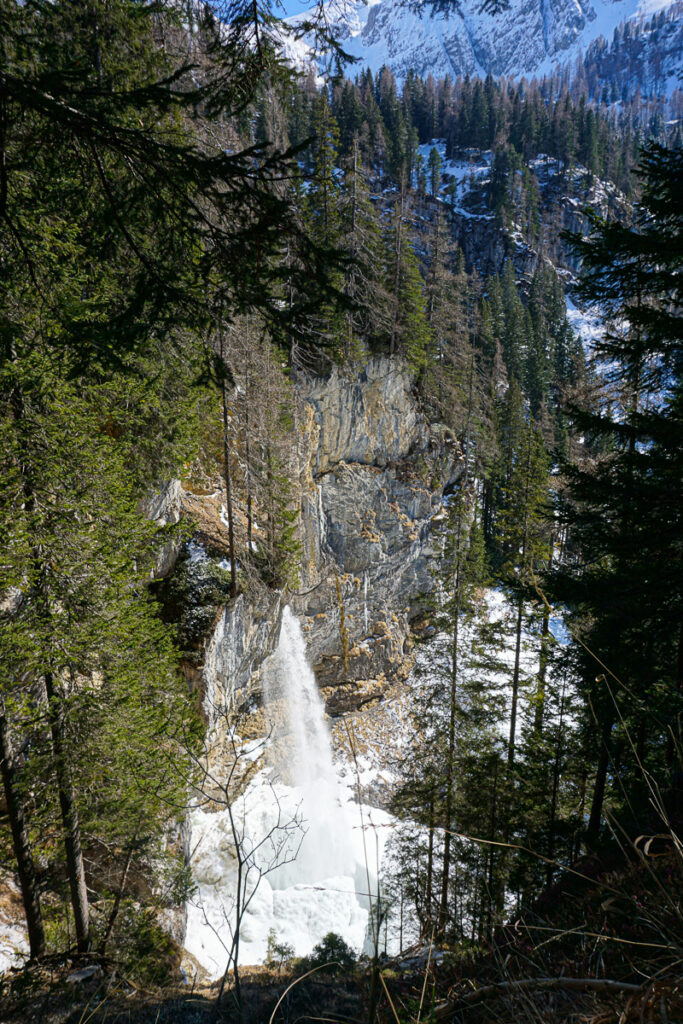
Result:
[
  {"x": 523, "y": 539},
  {"x": 408, "y": 329},
  {"x": 368, "y": 315},
  {"x": 434, "y": 168},
  {"x": 78, "y": 556},
  {"x": 624, "y": 503}
]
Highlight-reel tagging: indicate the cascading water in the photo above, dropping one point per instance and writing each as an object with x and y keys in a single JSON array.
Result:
[
  {"x": 311, "y": 876},
  {"x": 301, "y": 755}
]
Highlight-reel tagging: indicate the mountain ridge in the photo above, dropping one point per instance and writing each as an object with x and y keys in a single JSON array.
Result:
[{"x": 530, "y": 38}]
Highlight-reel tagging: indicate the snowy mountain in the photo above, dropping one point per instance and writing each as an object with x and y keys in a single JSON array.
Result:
[{"x": 532, "y": 37}]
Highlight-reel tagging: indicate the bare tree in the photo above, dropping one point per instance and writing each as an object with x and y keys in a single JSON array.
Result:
[{"x": 223, "y": 782}]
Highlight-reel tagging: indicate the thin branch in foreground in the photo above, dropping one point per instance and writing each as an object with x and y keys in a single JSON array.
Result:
[{"x": 535, "y": 985}]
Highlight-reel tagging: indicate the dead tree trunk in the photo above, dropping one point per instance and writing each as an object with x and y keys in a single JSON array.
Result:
[
  {"x": 70, "y": 824},
  {"x": 20, "y": 840}
]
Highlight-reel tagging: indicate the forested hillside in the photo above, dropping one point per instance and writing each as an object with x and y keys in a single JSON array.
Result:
[{"x": 407, "y": 359}]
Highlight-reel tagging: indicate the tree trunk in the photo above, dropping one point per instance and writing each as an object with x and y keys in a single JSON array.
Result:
[
  {"x": 397, "y": 273},
  {"x": 430, "y": 862},
  {"x": 117, "y": 900},
  {"x": 233, "y": 956},
  {"x": 247, "y": 450},
  {"x": 450, "y": 765},
  {"x": 20, "y": 841},
  {"x": 539, "y": 710},
  {"x": 553, "y": 799},
  {"x": 674, "y": 734},
  {"x": 515, "y": 683},
  {"x": 576, "y": 839},
  {"x": 67, "y": 803},
  {"x": 228, "y": 486},
  {"x": 599, "y": 787},
  {"x": 457, "y": 594},
  {"x": 520, "y": 610},
  {"x": 491, "y": 855}
]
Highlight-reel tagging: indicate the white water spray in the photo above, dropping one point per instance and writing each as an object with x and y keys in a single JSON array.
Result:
[
  {"x": 320, "y": 882},
  {"x": 301, "y": 755}
]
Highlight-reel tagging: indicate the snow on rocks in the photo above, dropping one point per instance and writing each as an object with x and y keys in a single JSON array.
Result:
[
  {"x": 283, "y": 892},
  {"x": 531, "y": 37},
  {"x": 13, "y": 935}
]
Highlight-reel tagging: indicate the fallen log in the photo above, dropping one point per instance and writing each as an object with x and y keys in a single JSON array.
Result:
[{"x": 450, "y": 1006}]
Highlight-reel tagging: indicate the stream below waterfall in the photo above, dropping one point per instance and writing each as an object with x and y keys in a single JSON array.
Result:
[{"x": 310, "y": 852}]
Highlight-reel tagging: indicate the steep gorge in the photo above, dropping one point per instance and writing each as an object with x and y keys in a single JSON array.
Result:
[{"x": 373, "y": 476}]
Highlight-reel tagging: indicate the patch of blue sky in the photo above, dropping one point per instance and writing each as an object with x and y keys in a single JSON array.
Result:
[{"x": 559, "y": 630}]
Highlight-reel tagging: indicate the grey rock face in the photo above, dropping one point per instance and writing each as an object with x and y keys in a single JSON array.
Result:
[
  {"x": 374, "y": 472},
  {"x": 371, "y": 420},
  {"x": 165, "y": 505},
  {"x": 373, "y": 476},
  {"x": 377, "y": 477},
  {"x": 245, "y": 634},
  {"x": 164, "y": 508}
]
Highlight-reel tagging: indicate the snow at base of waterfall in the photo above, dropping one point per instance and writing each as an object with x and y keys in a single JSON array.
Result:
[{"x": 296, "y": 888}]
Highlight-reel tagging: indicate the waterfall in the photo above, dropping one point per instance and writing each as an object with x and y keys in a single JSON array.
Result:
[
  {"x": 299, "y": 826},
  {"x": 300, "y": 754}
]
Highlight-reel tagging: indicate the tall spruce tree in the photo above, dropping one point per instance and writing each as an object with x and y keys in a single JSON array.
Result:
[
  {"x": 106, "y": 303},
  {"x": 625, "y": 497}
]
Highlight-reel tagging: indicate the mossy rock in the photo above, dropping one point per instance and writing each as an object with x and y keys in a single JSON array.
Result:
[{"x": 192, "y": 597}]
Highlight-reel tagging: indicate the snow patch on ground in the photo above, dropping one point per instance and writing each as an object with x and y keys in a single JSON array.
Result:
[
  {"x": 587, "y": 324},
  {"x": 13, "y": 935},
  {"x": 286, "y": 890},
  {"x": 13, "y": 946}
]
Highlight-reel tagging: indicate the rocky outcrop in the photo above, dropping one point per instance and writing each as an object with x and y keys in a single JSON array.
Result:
[
  {"x": 373, "y": 473},
  {"x": 370, "y": 419},
  {"x": 245, "y": 634},
  {"x": 375, "y": 479},
  {"x": 564, "y": 194}
]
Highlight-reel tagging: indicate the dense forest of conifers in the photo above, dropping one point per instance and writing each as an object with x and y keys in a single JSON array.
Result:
[
  {"x": 529, "y": 119},
  {"x": 540, "y": 426},
  {"x": 181, "y": 231}
]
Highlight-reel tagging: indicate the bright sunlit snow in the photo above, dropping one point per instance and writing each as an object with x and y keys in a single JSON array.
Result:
[{"x": 309, "y": 851}]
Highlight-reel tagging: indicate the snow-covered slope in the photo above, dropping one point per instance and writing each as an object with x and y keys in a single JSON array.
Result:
[{"x": 532, "y": 37}]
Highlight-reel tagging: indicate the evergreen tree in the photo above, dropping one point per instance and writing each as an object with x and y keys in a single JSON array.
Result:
[
  {"x": 408, "y": 329},
  {"x": 368, "y": 315},
  {"x": 82, "y": 642},
  {"x": 523, "y": 540},
  {"x": 624, "y": 504},
  {"x": 434, "y": 167}
]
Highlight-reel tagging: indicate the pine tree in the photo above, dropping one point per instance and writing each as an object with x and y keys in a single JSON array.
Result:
[
  {"x": 78, "y": 555},
  {"x": 624, "y": 503},
  {"x": 367, "y": 318},
  {"x": 523, "y": 540},
  {"x": 408, "y": 330},
  {"x": 434, "y": 168},
  {"x": 515, "y": 325}
]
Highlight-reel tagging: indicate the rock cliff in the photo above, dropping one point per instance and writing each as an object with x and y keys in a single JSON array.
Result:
[
  {"x": 564, "y": 193},
  {"x": 373, "y": 474},
  {"x": 378, "y": 471}
]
